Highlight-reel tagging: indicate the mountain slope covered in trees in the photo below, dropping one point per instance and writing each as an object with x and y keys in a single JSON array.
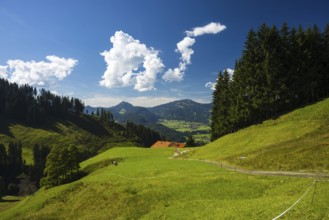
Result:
[{"x": 280, "y": 70}]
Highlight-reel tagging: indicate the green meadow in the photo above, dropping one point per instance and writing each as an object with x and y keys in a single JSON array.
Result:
[
  {"x": 148, "y": 184},
  {"x": 297, "y": 141},
  {"x": 200, "y": 131}
]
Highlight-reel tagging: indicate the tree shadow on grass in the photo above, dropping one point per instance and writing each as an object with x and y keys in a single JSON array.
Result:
[{"x": 4, "y": 127}]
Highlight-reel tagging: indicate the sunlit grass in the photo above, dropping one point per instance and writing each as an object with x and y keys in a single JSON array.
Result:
[
  {"x": 147, "y": 184},
  {"x": 296, "y": 141}
]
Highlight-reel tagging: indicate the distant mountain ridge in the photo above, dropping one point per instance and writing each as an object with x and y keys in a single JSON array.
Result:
[
  {"x": 185, "y": 110},
  {"x": 181, "y": 110}
]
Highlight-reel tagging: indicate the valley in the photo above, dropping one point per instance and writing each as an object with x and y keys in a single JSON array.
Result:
[{"x": 149, "y": 184}]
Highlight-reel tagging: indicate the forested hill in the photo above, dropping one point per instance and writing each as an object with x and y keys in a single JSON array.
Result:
[
  {"x": 25, "y": 104},
  {"x": 186, "y": 110},
  {"x": 38, "y": 117},
  {"x": 280, "y": 70}
]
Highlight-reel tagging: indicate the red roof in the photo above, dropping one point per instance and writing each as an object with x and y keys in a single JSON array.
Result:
[{"x": 159, "y": 144}]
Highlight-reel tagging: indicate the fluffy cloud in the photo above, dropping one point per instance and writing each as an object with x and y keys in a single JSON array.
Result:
[
  {"x": 211, "y": 28},
  {"x": 184, "y": 47},
  {"x": 230, "y": 72},
  {"x": 38, "y": 73},
  {"x": 3, "y": 72},
  {"x": 210, "y": 85},
  {"x": 130, "y": 62}
]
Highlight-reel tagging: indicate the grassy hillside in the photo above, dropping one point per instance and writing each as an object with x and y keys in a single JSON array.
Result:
[
  {"x": 148, "y": 185},
  {"x": 296, "y": 141},
  {"x": 82, "y": 131}
]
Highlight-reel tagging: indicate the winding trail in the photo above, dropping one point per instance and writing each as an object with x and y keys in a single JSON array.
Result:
[{"x": 267, "y": 173}]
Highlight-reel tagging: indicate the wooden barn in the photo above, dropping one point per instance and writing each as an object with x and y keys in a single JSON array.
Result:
[{"x": 160, "y": 144}]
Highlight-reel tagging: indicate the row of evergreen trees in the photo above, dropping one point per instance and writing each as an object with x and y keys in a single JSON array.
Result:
[
  {"x": 25, "y": 104},
  {"x": 11, "y": 161},
  {"x": 51, "y": 167},
  {"x": 280, "y": 70},
  {"x": 11, "y": 165},
  {"x": 140, "y": 134}
]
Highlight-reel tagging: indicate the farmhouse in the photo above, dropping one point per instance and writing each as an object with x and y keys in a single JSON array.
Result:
[{"x": 160, "y": 144}]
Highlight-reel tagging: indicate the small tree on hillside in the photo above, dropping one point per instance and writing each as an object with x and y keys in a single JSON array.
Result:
[
  {"x": 190, "y": 142},
  {"x": 62, "y": 166}
]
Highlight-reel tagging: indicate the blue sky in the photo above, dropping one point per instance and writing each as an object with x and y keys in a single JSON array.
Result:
[{"x": 141, "y": 51}]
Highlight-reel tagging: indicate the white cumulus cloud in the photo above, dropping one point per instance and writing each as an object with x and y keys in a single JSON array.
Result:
[
  {"x": 3, "y": 72},
  {"x": 42, "y": 73},
  {"x": 184, "y": 47},
  {"x": 211, "y": 28},
  {"x": 230, "y": 72},
  {"x": 210, "y": 85},
  {"x": 130, "y": 63}
]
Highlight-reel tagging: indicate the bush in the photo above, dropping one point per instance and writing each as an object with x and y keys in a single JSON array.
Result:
[{"x": 13, "y": 189}]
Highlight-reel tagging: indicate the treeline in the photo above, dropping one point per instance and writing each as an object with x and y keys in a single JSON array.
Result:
[
  {"x": 11, "y": 165},
  {"x": 25, "y": 104},
  {"x": 51, "y": 167},
  {"x": 280, "y": 70},
  {"x": 16, "y": 177},
  {"x": 141, "y": 134}
]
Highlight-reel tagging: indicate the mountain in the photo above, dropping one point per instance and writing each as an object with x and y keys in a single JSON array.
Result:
[
  {"x": 185, "y": 110},
  {"x": 125, "y": 111}
]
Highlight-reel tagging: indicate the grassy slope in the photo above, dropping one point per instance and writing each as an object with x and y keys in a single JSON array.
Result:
[
  {"x": 148, "y": 185},
  {"x": 83, "y": 131},
  {"x": 296, "y": 141}
]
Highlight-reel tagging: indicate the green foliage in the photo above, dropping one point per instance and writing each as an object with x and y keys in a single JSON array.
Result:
[
  {"x": 62, "y": 165},
  {"x": 39, "y": 162},
  {"x": 12, "y": 189},
  {"x": 141, "y": 134},
  {"x": 280, "y": 70},
  {"x": 190, "y": 142}
]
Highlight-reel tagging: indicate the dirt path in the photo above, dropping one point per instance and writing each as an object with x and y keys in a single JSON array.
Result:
[{"x": 267, "y": 173}]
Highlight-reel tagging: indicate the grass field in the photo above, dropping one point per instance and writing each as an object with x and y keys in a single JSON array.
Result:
[
  {"x": 200, "y": 131},
  {"x": 148, "y": 185},
  {"x": 297, "y": 141}
]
